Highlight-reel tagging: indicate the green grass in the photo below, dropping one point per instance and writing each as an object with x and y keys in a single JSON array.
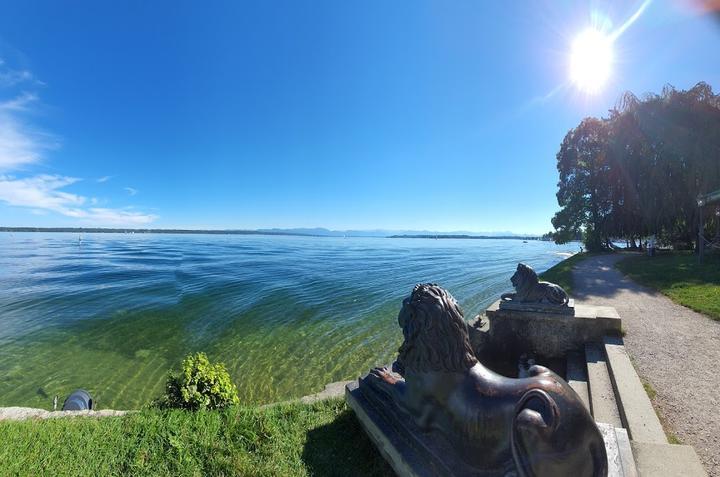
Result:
[
  {"x": 292, "y": 439},
  {"x": 652, "y": 394},
  {"x": 649, "y": 390},
  {"x": 562, "y": 272},
  {"x": 680, "y": 277}
]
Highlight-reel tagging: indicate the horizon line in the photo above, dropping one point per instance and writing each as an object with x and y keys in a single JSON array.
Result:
[{"x": 296, "y": 231}]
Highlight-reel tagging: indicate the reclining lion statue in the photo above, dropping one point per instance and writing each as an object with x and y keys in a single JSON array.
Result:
[
  {"x": 529, "y": 289},
  {"x": 535, "y": 426}
]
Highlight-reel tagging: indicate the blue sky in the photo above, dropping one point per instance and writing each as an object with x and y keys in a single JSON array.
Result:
[{"x": 397, "y": 115}]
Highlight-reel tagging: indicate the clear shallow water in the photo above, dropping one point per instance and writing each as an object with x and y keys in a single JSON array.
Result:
[{"x": 287, "y": 315}]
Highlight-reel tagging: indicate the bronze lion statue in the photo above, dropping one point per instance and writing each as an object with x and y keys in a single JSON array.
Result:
[
  {"x": 529, "y": 289},
  {"x": 535, "y": 426}
]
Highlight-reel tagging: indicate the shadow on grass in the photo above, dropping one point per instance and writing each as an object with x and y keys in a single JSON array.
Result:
[
  {"x": 681, "y": 277},
  {"x": 341, "y": 448}
]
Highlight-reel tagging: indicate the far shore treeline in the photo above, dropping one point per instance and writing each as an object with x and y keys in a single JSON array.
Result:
[
  {"x": 639, "y": 171},
  {"x": 290, "y": 232}
]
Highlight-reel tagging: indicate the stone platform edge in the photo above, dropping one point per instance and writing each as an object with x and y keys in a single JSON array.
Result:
[{"x": 15, "y": 413}]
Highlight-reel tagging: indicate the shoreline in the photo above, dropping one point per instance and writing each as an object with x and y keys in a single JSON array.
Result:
[{"x": 283, "y": 233}]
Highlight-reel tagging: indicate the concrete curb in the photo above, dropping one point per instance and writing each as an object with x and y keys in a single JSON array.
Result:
[
  {"x": 635, "y": 408},
  {"x": 23, "y": 413}
]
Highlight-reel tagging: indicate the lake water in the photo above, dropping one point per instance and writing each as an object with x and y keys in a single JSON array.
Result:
[{"x": 114, "y": 312}]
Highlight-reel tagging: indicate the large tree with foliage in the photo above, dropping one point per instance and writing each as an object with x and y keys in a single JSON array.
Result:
[{"x": 639, "y": 171}]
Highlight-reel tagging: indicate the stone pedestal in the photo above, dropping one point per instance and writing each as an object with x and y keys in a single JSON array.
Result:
[
  {"x": 409, "y": 451},
  {"x": 513, "y": 331}
]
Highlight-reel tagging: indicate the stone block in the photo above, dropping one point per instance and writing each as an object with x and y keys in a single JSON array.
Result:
[
  {"x": 635, "y": 407},
  {"x": 408, "y": 451},
  {"x": 603, "y": 405},
  {"x": 667, "y": 460},
  {"x": 619, "y": 452},
  {"x": 576, "y": 376},
  {"x": 547, "y": 334},
  {"x": 511, "y": 305}
]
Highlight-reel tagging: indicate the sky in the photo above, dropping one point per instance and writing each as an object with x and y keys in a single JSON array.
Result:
[{"x": 414, "y": 115}]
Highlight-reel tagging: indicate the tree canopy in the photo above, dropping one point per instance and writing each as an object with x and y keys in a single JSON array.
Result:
[{"x": 639, "y": 171}]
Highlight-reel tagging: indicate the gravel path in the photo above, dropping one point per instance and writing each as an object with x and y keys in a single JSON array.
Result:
[{"x": 674, "y": 348}]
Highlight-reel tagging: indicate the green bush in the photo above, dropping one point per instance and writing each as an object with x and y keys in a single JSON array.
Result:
[{"x": 199, "y": 385}]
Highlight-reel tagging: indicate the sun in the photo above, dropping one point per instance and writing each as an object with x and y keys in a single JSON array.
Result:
[{"x": 591, "y": 59}]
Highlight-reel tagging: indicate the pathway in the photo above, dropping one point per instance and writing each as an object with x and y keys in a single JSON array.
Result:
[{"x": 673, "y": 348}]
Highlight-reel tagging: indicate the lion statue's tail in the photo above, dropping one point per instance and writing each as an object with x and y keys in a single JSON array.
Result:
[{"x": 557, "y": 295}]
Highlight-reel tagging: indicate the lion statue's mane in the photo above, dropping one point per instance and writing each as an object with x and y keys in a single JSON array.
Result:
[{"x": 436, "y": 338}]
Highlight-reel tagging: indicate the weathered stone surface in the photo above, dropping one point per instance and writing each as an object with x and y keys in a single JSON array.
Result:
[
  {"x": 626, "y": 456},
  {"x": 550, "y": 308},
  {"x": 547, "y": 334},
  {"x": 332, "y": 390},
  {"x": 577, "y": 378},
  {"x": 635, "y": 407},
  {"x": 611, "y": 447},
  {"x": 619, "y": 452},
  {"x": 666, "y": 460},
  {"x": 602, "y": 396},
  {"x": 20, "y": 413},
  {"x": 409, "y": 451}
]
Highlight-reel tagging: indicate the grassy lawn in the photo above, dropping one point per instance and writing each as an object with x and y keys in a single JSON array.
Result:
[
  {"x": 323, "y": 438},
  {"x": 561, "y": 273},
  {"x": 680, "y": 277}
]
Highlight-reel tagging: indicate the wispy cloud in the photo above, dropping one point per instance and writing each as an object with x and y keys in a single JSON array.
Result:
[
  {"x": 20, "y": 144},
  {"x": 10, "y": 77},
  {"x": 131, "y": 191},
  {"x": 103, "y": 179},
  {"x": 23, "y": 147},
  {"x": 44, "y": 192}
]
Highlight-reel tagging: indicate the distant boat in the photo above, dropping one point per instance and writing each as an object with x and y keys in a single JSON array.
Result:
[{"x": 524, "y": 241}]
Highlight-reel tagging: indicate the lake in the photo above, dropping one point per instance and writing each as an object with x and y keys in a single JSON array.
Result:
[{"x": 113, "y": 313}]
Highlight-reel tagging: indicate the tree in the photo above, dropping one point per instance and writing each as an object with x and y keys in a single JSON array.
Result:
[
  {"x": 583, "y": 186},
  {"x": 639, "y": 171}
]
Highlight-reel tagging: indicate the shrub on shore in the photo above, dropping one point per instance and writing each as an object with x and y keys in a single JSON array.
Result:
[{"x": 200, "y": 384}]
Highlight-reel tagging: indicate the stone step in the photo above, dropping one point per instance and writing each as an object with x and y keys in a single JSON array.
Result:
[
  {"x": 332, "y": 390},
  {"x": 576, "y": 376},
  {"x": 636, "y": 410},
  {"x": 603, "y": 405},
  {"x": 668, "y": 460},
  {"x": 621, "y": 462}
]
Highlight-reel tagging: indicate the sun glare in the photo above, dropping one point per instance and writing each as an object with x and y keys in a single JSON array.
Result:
[{"x": 591, "y": 60}]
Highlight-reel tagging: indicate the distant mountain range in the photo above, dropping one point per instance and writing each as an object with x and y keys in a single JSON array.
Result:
[
  {"x": 311, "y": 232},
  {"x": 322, "y": 232}
]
